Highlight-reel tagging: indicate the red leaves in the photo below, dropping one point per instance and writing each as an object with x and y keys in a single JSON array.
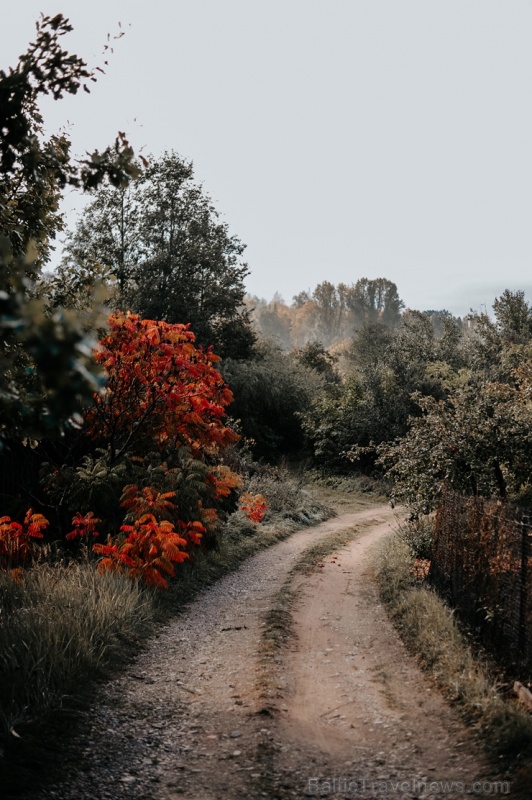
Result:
[
  {"x": 254, "y": 506},
  {"x": 84, "y": 526},
  {"x": 15, "y": 539},
  {"x": 162, "y": 394},
  {"x": 146, "y": 500},
  {"x": 149, "y": 547},
  {"x": 161, "y": 390},
  {"x": 149, "y": 551}
]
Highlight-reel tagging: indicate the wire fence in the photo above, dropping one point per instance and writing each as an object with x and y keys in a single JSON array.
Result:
[{"x": 482, "y": 563}]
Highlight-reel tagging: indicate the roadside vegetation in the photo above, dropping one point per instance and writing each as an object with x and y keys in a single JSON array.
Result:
[{"x": 467, "y": 678}]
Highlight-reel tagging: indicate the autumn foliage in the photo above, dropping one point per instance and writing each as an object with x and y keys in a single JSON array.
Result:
[
  {"x": 161, "y": 391},
  {"x": 84, "y": 527},
  {"x": 163, "y": 397},
  {"x": 16, "y": 540},
  {"x": 254, "y": 506}
]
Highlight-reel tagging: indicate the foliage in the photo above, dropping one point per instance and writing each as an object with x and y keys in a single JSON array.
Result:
[
  {"x": 270, "y": 392},
  {"x": 374, "y": 300},
  {"x": 330, "y": 314},
  {"x": 254, "y": 506},
  {"x": 418, "y": 535},
  {"x": 149, "y": 551},
  {"x": 16, "y": 539},
  {"x": 477, "y": 441},
  {"x": 373, "y": 403},
  {"x": 161, "y": 392},
  {"x": 162, "y": 248},
  {"x": 84, "y": 527},
  {"x": 495, "y": 344},
  {"x": 316, "y": 357},
  {"x": 155, "y": 437},
  {"x": 45, "y": 361}
]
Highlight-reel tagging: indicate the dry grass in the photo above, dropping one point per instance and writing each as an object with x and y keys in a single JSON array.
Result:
[{"x": 429, "y": 629}]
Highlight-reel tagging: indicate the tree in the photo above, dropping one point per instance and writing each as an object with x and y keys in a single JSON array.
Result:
[
  {"x": 156, "y": 431},
  {"x": 316, "y": 357},
  {"x": 172, "y": 257},
  {"x": 514, "y": 316},
  {"x": 495, "y": 342},
  {"x": 271, "y": 391},
  {"x": 273, "y": 320},
  {"x": 330, "y": 311},
  {"x": 374, "y": 402},
  {"x": 45, "y": 361},
  {"x": 161, "y": 392},
  {"x": 104, "y": 247},
  {"x": 375, "y": 300},
  {"x": 477, "y": 441}
]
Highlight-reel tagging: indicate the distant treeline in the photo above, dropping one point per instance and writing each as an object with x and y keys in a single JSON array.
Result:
[{"x": 330, "y": 314}]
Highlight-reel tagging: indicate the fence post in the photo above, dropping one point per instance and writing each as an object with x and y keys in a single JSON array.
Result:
[{"x": 523, "y": 598}]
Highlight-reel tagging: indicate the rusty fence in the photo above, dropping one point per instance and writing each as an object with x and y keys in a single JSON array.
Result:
[{"x": 482, "y": 563}]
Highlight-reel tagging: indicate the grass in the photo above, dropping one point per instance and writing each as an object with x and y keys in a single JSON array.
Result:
[
  {"x": 430, "y": 631},
  {"x": 58, "y": 628},
  {"x": 350, "y": 492}
]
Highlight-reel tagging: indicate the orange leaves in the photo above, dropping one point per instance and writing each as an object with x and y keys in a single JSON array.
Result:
[
  {"x": 149, "y": 551},
  {"x": 161, "y": 390},
  {"x": 15, "y": 539},
  {"x": 149, "y": 547},
  {"x": 254, "y": 506},
  {"x": 224, "y": 481},
  {"x": 193, "y": 531},
  {"x": 146, "y": 500},
  {"x": 163, "y": 396}
]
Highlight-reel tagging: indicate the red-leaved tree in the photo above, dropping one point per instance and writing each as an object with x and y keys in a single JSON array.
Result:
[
  {"x": 161, "y": 391},
  {"x": 161, "y": 416}
]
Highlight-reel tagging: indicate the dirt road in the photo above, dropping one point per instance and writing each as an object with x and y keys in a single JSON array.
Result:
[{"x": 341, "y": 710}]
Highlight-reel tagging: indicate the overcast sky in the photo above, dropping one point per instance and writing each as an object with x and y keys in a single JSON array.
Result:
[{"x": 338, "y": 138}]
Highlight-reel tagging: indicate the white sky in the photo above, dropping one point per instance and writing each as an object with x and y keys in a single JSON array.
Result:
[{"x": 339, "y": 138}]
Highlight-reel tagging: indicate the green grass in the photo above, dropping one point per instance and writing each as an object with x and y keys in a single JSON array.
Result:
[{"x": 430, "y": 631}]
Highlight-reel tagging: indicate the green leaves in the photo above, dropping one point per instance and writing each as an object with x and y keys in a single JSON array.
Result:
[
  {"x": 45, "y": 358},
  {"x": 478, "y": 441}
]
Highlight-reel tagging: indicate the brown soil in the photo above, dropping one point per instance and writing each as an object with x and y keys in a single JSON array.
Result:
[{"x": 341, "y": 710}]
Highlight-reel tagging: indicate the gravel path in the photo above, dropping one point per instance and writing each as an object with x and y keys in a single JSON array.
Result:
[{"x": 189, "y": 718}]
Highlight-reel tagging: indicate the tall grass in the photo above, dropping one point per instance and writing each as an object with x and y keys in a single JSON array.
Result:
[{"x": 59, "y": 628}]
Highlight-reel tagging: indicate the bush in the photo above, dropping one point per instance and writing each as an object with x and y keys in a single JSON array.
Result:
[
  {"x": 271, "y": 390},
  {"x": 418, "y": 535}
]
